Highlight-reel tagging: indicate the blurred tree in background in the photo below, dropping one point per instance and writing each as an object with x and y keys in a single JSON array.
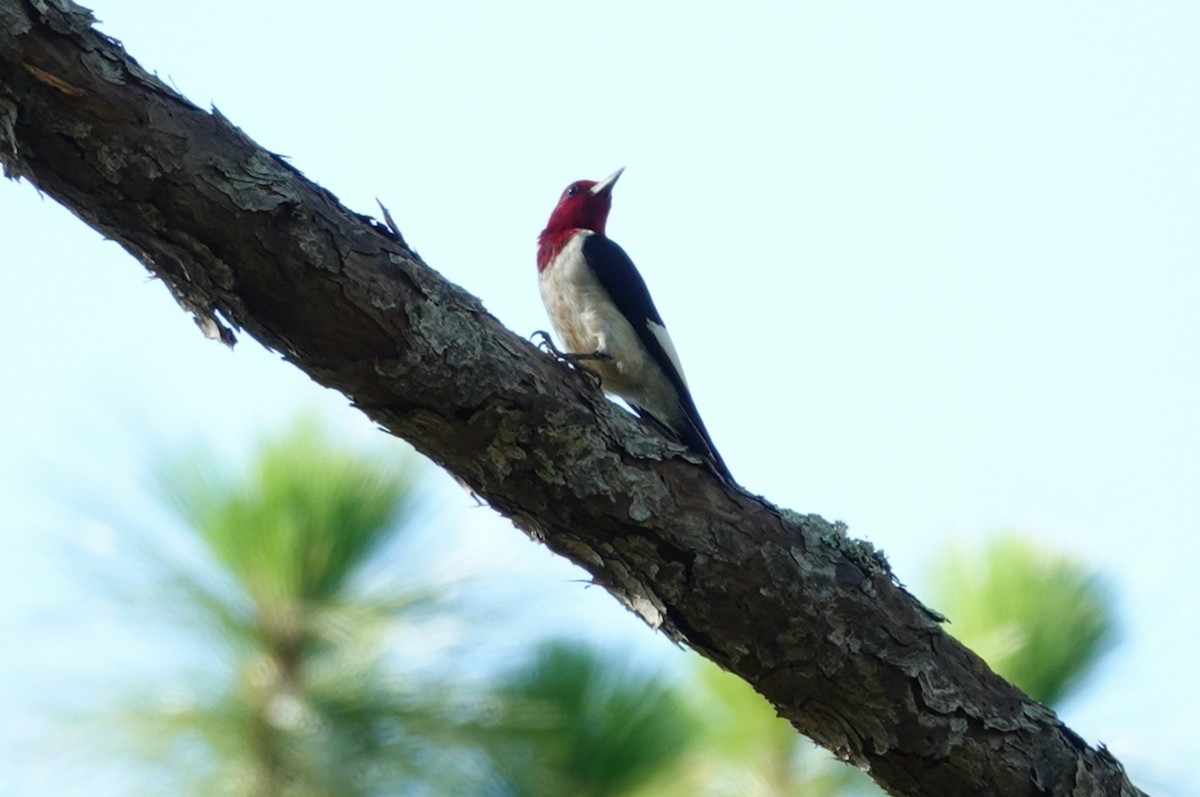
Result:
[
  {"x": 582, "y": 723},
  {"x": 1039, "y": 618},
  {"x": 301, "y": 701},
  {"x": 743, "y": 749}
]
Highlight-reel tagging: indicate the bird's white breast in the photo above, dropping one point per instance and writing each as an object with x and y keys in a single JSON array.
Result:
[{"x": 586, "y": 320}]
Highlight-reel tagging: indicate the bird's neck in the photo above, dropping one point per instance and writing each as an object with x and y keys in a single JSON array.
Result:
[{"x": 551, "y": 242}]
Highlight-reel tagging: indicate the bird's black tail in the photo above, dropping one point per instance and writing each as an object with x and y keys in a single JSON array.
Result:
[
  {"x": 695, "y": 437},
  {"x": 691, "y": 433}
]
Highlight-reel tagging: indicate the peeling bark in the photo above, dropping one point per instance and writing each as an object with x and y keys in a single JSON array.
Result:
[{"x": 813, "y": 619}]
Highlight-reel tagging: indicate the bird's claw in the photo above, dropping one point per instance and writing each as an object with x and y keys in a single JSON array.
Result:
[
  {"x": 589, "y": 375},
  {"x": 544, "y": 342}
]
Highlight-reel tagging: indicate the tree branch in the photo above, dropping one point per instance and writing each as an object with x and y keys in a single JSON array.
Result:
[{"x": 814, "y": 620}]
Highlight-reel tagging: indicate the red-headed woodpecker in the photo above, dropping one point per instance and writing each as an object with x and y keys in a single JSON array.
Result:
[{"x": 602, "y": 312}]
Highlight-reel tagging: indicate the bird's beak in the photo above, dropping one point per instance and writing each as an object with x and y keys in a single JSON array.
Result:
[{"x": 605, "y": 186}]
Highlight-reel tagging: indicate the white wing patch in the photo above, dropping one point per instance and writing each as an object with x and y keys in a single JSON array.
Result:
[{"x": 664, "y": 340}]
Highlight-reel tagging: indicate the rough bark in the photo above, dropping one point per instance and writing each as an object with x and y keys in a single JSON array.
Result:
[{"x": 813, "y": 619}]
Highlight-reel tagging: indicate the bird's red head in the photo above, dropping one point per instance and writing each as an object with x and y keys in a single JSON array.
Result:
[{"x": 584, "y": 205}]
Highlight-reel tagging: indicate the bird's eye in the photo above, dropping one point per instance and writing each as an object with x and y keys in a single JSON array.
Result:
[{"x": 572, "y": 190}]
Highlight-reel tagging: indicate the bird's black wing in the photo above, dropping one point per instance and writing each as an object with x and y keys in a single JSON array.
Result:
[{"x": 620, "y": 278}]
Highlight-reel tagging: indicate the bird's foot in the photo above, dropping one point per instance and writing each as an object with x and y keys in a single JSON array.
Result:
[
  {"x": 574, "y": 359},
  {"x": 545, "y": 343}
]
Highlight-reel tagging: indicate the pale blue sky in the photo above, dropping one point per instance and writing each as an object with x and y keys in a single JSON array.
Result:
[{"x": 932, "y": 270}]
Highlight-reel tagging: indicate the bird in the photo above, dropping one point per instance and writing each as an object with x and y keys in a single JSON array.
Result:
[{"x": 603, "y": 314}]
